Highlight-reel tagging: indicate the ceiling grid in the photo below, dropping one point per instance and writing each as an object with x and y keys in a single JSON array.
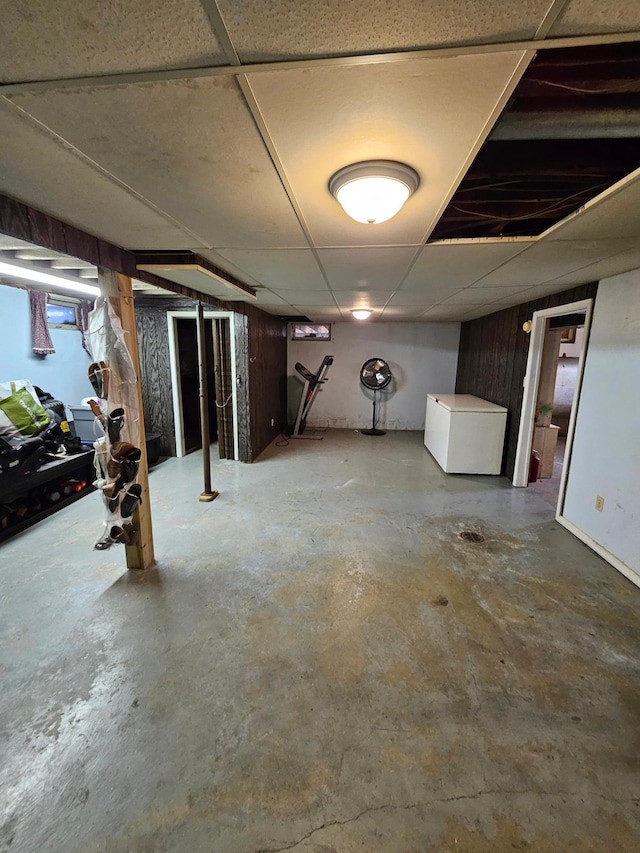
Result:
[{"x": 214, "y": 126}]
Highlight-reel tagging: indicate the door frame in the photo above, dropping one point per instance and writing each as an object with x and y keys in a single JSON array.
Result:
[
  {"x": 531, "y": 384},
  {"x": 176, "y": 391}
]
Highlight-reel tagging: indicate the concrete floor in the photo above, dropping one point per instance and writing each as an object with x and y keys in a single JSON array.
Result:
[{"x": 320, "y": 664}]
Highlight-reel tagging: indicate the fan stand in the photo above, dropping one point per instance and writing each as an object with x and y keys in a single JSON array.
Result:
[{"x": 374, "y": 430}]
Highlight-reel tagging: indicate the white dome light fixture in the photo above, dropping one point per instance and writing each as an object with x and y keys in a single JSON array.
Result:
[
  {"x": 373, "y": 191},
  {"x": 361, "y": 313}
]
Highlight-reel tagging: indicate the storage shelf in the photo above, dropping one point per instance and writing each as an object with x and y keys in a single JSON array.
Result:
[{"x": 14, "y": 485}]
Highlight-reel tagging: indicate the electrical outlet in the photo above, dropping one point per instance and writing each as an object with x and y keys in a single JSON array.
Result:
[{"x": 599, "y": 503}]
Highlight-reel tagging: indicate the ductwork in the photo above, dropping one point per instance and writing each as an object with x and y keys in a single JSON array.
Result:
[{"x": 572, "y": 124}]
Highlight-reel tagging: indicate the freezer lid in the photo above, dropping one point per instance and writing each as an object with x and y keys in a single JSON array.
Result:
[{"x": 465, "y": 403}]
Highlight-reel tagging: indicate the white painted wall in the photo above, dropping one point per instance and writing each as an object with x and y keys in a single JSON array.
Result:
[
  {"x": 606, "y": 447},
  {"x": 63, "y": 374},
  {"x": 423, "y": 358}
]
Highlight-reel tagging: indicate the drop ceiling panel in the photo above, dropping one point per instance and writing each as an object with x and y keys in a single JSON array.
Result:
[
  {"x": 547, "y": 260},
  {"x": 458, "y": 264},
  {"x": 349, "y": 300},
  {"x": 613, "y": 215},
  {"x": 603, "y": 269},
  {"x": 95, "y": 37},
  {"x": 199, "y": 280},
  {"x": 366, "y": 269},
  {"x": 583, "y": 17},
  {"x": 55, "y": 180},
  {"x": 399, "y": 314},
  {"x": 286, "y": 29},
  {"x": 324, "y": 118},
  {"x": 322, "y": 314},
  {"x": 266, "y": 299},
  {"x": 190, "y": 147},
  {"x": 277, "y": 269},
  {"x": 308, "y": 297},
  {"x": 480, "y": 295},
  {"x": 442, "y": 312},
  {"x": 419, "y": 298}
]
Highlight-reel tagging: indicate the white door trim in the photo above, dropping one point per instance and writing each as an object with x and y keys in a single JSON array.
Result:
[
  {"x": 531, "y": 382},
  {"x": 176, "y": 394}
]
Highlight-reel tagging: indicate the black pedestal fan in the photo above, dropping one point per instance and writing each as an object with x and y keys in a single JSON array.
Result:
[{"x": 375, "y": 374}]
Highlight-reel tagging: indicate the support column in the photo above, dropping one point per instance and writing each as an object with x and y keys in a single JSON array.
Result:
[{"x": 118, "y": 290}]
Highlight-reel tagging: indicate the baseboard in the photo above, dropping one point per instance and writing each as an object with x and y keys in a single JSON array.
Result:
[{"x": 625, "y": 570}]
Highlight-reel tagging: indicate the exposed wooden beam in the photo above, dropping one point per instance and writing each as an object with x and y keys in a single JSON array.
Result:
[{"x": 117, "y": 289}]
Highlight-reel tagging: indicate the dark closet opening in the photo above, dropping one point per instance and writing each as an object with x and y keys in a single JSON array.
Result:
[{"x": 187, "y": 344}]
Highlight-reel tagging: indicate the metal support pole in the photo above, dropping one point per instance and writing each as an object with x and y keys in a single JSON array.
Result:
[{"x": 207, "y": 494}]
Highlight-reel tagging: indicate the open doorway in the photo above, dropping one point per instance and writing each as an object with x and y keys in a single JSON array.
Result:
[
  {"x": 189, "y": 378},
  {"x": 557, "y": 350},
  {"x": 221, "y": 382},
  {"x": 557, "y": 386}
]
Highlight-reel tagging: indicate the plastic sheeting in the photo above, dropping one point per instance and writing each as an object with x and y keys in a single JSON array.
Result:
[{"x": 106, "y": 342}]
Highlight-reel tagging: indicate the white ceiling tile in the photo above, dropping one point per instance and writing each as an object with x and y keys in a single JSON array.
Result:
[
  {"x": 190, "y": 147},
  {"x": 458, "y": 264},
  {"x": 370, "y": 268},
  {"x": 55, "y": 180},
  {"x": 287, "y": 29},
  {"x": 481, "y": 311},
  {"x": 474, "y": 296},
  {"x": 96, "y": 37},
  {"x": 278, "y": 269},
  {"x": 322, "y": 313},
  {"x": 419, "y": 297},
  {"x": 400, "y": 313},
  {"x": 348, "y": 299},
  {"x": 324, "y": 118},
  {"x": 547, "y": 259},
  {"x": 310, "y": 297},
  {"x": 443, "y": 312},
  {"x": 613, "y": 214},
  {"x": 585, "y": 17},
  {"x": 200, "y": 280},
  {"x": 268, "y": 299},
  {"x": 603, "y": 269},
  {"x": 492, "y": 294}
]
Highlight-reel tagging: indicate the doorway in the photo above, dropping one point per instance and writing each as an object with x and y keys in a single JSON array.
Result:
[
  {"x": 557, "y": 350},
  {"x": 189, "y": 378},
  {"x": 221, "y": 382}
]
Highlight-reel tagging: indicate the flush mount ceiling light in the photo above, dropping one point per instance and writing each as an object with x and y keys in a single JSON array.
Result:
[
  {"x": 16, "y": 271},
  {"x": 361, "y": 313},
  {"x": 373, "y": 191}
]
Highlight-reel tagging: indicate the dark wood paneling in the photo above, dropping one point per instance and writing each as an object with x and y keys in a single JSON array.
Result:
[
  {"x": 493, "y": 359},
  {"x": 262, "y": 351},
  {"x": 241, "y": 332},
  {"x": 82, "y": 245},
  {"x": 267, "y": 378},
  {"x": 155, "y": 366},
  {"x": 46, "y": 231},
  {"x": 14, "y": 219}
]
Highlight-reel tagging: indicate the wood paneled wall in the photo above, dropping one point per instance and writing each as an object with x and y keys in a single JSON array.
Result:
[
  {"x": 261, "y": 352},
  {"x": 267, "y": 345},
  {"x": 261, "y": 368},
  {"x": 493, "y": 359}
]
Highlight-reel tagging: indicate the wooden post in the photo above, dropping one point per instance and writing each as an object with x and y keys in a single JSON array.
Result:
[
  {"x": 118, "y": 290},
  {"x": 206, "y": 495}
]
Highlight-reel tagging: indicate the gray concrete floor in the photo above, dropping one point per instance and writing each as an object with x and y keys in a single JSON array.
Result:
[{"x": 320, "y": 664}]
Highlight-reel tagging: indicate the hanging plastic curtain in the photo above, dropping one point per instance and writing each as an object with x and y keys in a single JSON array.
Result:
[{"x": 115, "y": 406}]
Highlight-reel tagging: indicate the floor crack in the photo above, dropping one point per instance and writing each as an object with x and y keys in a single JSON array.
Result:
[{"x": 476, "y": 795}]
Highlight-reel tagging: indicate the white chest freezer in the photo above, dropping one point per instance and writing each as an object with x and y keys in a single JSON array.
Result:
[{"x": 464, "y": 434}]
